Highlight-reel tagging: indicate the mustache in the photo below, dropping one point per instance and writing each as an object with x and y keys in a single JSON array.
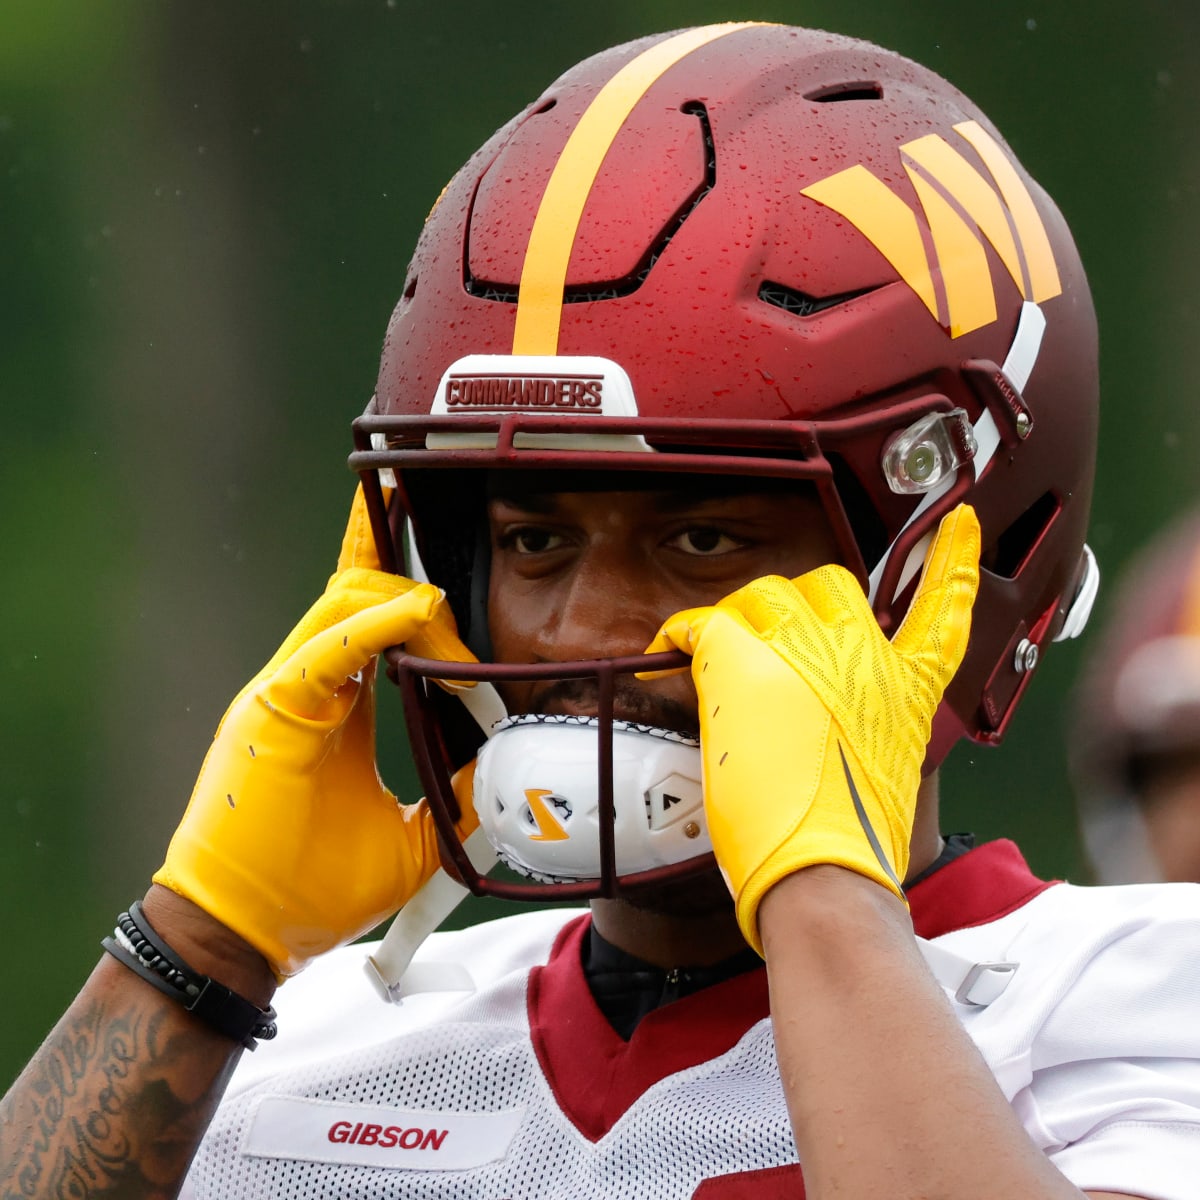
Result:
[{"x": 630, "y": 703}]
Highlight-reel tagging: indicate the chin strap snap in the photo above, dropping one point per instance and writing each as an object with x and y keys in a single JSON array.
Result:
[
  {"x": 391, "y": 968},
  {"x": 976, "y": 984}
]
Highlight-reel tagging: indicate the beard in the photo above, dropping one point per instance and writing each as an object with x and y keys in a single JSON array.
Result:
[{"x": 630, "y": 703}]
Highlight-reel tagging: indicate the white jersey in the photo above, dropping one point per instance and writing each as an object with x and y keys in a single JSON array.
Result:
[{"x": 521, "y": 1089}]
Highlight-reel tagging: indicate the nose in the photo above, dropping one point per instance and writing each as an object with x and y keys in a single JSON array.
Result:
[{"x": 606, "y": 607}]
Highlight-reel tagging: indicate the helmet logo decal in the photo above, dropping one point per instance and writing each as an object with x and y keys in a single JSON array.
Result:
[
  {"x": 553, "y": 383},
  {"x": 545, "y": 385},
  {"x": 528, "y": 390},
  {"x": 543, "y": 276},
  {"x": 549, "y": 829},
  {"x": 942, "y": 257}
]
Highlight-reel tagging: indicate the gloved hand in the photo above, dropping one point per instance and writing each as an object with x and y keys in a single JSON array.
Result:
[
  {"x": 813, "y": 726},
  {"x": 290, "y": 838}
]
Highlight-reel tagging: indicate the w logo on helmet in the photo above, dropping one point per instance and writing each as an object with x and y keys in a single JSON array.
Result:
[{"x": 961, "y": 207}]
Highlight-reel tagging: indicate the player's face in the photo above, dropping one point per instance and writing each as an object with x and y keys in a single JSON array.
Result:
[{"x": 581, "y": 575}]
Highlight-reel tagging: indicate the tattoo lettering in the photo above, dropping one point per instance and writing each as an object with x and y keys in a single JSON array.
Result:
[{"x": 112, "y": 1105}]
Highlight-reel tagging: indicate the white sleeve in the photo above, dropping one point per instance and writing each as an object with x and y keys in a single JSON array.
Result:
[
  {"x": 1114, "y": 1096},
  {"x": 1120, "y": 1125}
]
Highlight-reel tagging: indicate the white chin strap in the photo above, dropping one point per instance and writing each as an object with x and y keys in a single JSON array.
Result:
[{"x": 391, "y": 968}]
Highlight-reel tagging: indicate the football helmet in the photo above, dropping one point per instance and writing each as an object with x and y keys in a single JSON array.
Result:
[
  {"x": 1136, "y": 709},
  {"x": 748, "y": 250}
]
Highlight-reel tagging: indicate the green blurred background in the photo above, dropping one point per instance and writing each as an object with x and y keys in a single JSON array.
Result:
[{"x": 207, "y": 210}]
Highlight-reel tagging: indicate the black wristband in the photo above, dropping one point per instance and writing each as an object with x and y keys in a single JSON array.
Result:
[{"x": 135, "y": 944}]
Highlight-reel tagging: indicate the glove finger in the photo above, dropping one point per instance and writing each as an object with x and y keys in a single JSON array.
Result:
[
  {"x": 939, "y": 618},
  {"x": 680, "y": 631},
  {"x": 358, "y": 542},
  {"x": 346, "y": 593},
  {"x": 833, "y": 594},
  {"x": 326, "y": 661},
  {"x": 766, "y": 603},
  {"x": 439, "y": 639}
]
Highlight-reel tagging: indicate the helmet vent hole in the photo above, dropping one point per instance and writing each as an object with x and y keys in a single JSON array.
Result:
[
  {"x": 800, "y": 304},
  {"x": 845, "y": 91},
  {"x": 1015, "y": 545},
  {"x": 410, "y": 288}
]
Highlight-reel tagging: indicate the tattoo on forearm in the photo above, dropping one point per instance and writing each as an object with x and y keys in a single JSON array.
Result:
[{"x": 112, "y": 1106}]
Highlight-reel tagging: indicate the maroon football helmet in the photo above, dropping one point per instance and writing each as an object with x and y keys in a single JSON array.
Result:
[{"x": 748, "y": 250}]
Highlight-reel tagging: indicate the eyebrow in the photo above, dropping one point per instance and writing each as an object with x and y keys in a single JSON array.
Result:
[
  {"x": 665, "y": 501},
  {"x": 538, "y": 502}
]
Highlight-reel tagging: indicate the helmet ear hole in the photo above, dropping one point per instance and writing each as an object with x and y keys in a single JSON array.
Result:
[
  {"x": 869, "y": 530},
  {"x": 1017, "y": 543},
  {"x": 450, "y": 515}
]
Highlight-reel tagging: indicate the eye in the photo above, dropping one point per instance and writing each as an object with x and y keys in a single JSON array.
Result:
[
  {"x": 705, "y": 541},
  {"x": 530, "y": 539}
]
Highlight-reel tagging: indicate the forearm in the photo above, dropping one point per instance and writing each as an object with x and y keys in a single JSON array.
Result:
[
  {"x": 888, "y": 1095},
  {"x": 119, "y": 1095}
]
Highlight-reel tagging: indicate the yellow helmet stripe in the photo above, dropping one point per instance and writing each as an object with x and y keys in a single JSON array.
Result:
[{"x": 544, "y": 273}]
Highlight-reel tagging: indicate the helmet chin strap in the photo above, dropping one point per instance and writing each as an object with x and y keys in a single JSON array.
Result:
[
  {"x": 538, "y": 794},
  {"x": 391, "y": 968}
]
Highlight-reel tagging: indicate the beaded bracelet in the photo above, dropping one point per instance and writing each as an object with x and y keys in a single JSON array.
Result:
[{"x": 135, "y": 944}]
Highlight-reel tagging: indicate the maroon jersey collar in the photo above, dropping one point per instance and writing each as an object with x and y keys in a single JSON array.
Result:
[{"x": 596, "y": 1075}]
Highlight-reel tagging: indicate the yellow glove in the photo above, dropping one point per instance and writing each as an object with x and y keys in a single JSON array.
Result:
[
  {"x": 290, "y": 838},
  {"x": 813, "y": 725}
]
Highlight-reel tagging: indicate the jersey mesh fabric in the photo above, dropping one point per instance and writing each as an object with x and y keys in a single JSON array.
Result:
[
  {"x": 1095, "y": 1043},
  {"x": 726, "y": 1115}
]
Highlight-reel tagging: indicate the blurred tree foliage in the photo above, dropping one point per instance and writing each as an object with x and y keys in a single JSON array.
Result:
[{"x": 206, "y": 214}]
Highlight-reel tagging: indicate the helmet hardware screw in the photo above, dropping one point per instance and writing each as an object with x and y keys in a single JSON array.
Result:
[
  {"x": 1024, "y": 424},
  {"x": 691, "y": 830},
  {"x": 1026, "y": 657}
]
